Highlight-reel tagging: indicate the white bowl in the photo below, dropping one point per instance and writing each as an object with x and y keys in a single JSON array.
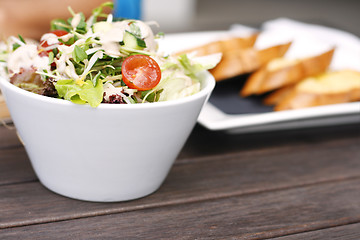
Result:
[{"x": 114, "y": 152}]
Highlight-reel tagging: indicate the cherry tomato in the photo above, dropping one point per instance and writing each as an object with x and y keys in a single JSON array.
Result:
[
  {"x": 44, "y": 44},
  {"x": 140, "y": 72}
]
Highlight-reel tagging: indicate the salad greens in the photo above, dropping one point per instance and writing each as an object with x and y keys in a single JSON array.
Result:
[
  {"x": 82, "y": 61},
  {"x": 80, "y": 93}
]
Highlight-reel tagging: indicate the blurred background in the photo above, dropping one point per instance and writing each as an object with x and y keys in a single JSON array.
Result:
[
  {"x": 212, "y": 14},
  {"x": 30, "y": 18}
]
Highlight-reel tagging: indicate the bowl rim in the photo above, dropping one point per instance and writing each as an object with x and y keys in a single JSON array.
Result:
[{"x": 206, "y": 75}]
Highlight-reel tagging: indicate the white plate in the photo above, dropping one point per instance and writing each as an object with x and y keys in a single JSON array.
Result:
[
  {"x": 215, "y": 118},
  {"x": 337, "y": 114}
]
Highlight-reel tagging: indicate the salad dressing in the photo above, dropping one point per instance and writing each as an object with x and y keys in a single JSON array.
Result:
[
  {"x": 26, "y": 57},
  {"x": 50, "y": 38},
  {"x": 113, "y": 33},
  {"x": 76, "y": 20}
]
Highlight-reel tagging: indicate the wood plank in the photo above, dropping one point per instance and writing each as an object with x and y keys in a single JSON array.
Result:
[
  {"x": 198, "y": 179},
  {"x": 251, "y": 216},
  {"x": 8, "y": 137},
  {"x": 203, "y": 143},
  {"x": 15, "y": 166},
  {"x": 351, "y": 231}
]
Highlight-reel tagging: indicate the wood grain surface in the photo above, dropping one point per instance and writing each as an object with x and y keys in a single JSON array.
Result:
[
  {"x": 291, "y": 184},
  {"x": 250, "y": 216},
  {"x": 350, "y": 231},
  {"x": 284, "y": 185}
]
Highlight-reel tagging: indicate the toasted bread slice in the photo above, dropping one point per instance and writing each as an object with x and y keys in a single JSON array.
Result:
[
  {"x": 240, "y": 61},
  {"x": 282, "y": 72},
  {"x": 278, "y": 95},
  {"x": 328, "y": 88},
  {"x": 223, "y": 45}
]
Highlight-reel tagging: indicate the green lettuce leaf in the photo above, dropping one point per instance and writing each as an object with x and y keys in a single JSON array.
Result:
[
  {"x": 80, "y": 93},
  {"x": 79, "y": 54},
  {"x": 60, "y": 24},
  {"x": 198, "y": 64}
]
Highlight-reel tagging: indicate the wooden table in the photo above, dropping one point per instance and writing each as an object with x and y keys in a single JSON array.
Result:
[{"x": 298, "y": 184}]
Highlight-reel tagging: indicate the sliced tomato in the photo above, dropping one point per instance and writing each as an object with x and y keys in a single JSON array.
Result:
[
  {"x": 140, "y": 72},
  {"x": 44, "y": 44}
]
